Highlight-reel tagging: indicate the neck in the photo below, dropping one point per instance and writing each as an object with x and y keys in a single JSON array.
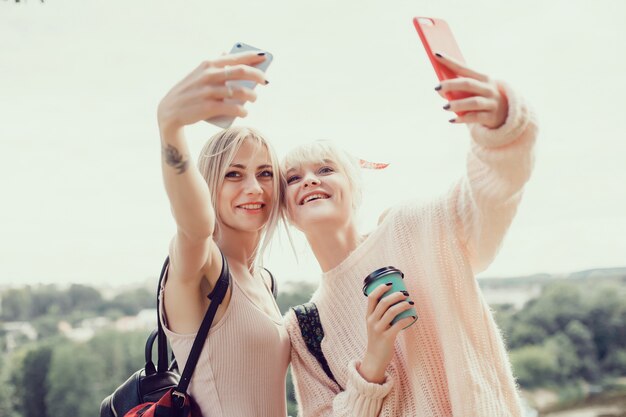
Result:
[
  {"x": 332, "y": 244},
  {"x": 241, "y": 248}
]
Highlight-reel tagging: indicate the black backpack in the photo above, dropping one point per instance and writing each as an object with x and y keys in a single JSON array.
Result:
[
  {"x": 149, "y": 385},
  {"x": 312, "y": 332}
]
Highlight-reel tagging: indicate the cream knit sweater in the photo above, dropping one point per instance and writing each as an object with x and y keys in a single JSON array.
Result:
[{"x": 452, "y": 361}]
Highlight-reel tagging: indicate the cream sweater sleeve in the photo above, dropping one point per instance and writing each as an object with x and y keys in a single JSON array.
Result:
[
  {"x": 318, "y": 396},
  {"x": 499, "y": 163}
]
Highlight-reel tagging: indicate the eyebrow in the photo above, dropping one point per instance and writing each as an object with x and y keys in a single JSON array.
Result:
[
  {"x": 241, "y": 166},
  {"x": 324, "y": 161}
]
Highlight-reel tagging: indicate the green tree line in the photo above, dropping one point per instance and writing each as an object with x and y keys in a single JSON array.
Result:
[
  {"x": 32, "y": 302},
  {"x": 55, "y": 376},
  {"x": 571, "y": 332},
  {"x": 44, "y": 305}
]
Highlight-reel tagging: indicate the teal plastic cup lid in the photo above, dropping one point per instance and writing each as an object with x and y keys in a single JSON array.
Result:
[{"x": 387, "y": 270}]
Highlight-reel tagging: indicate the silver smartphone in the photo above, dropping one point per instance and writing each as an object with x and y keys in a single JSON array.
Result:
[{"x": 226, "y": 121}]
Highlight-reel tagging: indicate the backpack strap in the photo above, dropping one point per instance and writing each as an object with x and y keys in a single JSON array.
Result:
[
  {"x": 217, "y": 296},
  {"x": 274, "y": 288},
  {"x": 313, "y": 333},
  {"x": 162, "y": 364}
]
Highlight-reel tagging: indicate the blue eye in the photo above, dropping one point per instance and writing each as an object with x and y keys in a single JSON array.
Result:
[
  {"x": 326, "y": 170},
  {"x": 293, "y": 178},
  {"x": 233, "y": 174},
  {"x": 266, "y": 174}
]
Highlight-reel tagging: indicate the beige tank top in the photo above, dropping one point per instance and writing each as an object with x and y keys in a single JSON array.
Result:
[{"x": 243, "y": 366}]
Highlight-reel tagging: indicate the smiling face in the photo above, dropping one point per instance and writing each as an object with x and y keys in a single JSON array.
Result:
[
  {"x": 246, "y": 197},
  {"x": 323, "y": 186}
]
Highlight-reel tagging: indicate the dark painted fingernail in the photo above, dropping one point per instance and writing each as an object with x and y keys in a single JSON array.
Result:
[
  {"x": 412, "y": 302},
  {"x": 266, "y": 82},
  {"x": 452, "y": 120},
  {"x": 438, "y": 88},
  {"x": 405, "y": 293},
  {"x": 261, "y": 53},
  {"x": 389, "y": 283},
  {"x": 446, "y": 107},
  {"x": 438, "y": 55}
]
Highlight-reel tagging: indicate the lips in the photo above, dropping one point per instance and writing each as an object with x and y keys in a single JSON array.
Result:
[
  {"x": 251, "y": 206},
  {"x": 317, "y": 195}
]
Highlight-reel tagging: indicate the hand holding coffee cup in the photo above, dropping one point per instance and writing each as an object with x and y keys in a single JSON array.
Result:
[
  {"x": 388, "y": 312},
  {"x": 392, "y": 275}
]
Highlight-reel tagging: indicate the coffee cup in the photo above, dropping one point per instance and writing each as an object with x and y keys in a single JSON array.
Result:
[{"x": 383, "y": 276}]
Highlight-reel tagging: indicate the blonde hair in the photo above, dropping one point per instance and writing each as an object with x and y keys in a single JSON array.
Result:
[
  {"x": 213, "y": 163},
  {"x": 321, "y": 151}
]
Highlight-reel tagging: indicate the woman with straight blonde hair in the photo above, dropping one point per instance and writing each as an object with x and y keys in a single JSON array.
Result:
[
  {"x": 225, "y": 208},
  {"x": 450, "y": 359}
]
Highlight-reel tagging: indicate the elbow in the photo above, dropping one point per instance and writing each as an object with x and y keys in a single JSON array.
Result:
[
  {"x": 197, "y": 231},
  {"x": 198, "y": 226}
]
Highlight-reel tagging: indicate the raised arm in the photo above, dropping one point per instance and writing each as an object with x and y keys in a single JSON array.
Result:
[
  {"x": 199, "y": 96},
  {"x": 499, "y": 164}
]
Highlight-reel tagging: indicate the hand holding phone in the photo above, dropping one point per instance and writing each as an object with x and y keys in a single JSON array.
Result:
[
  {"x": 436, "y": 36},
  {"x": 239, "y": 47},
  {"x": 488, "y": 104}
]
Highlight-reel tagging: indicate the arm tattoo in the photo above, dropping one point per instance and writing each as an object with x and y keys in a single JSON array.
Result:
[{"x": 174, "y": 159}]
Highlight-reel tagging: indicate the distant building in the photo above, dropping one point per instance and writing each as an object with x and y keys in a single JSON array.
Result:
[
  {"x": 144, "y": 320},
  {"x": 16, "y": 330},
  {"x": 516, "y": 295}
]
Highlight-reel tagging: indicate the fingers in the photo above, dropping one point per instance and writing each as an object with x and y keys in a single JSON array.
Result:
[
  {"x": 484, "y": 118},
  {"x": 375, "y": 296},
  {"x": 381, "y": 334},
  {"x": 215, "y": 88},
  {"x": 393, "y": 311},
  {"x": 459, "y": 68},
  {"x": 474, "y": 97},
  {"x": 467, "y": 85},
  {"x": 489, "y": 112},
  {"x": 245, "y": 58},
  {"x": 232, "y": 67},
  {"x": 385, "y": 304},
  {"x": 475, "y": 104},
  {"x": 235, "y": 92},
  {"x": 219, "y": 75},
  {"x": 398, "y": 326}
]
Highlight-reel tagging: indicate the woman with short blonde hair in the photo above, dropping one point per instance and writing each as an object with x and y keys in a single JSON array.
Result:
[{"x": 450, "y": 359}]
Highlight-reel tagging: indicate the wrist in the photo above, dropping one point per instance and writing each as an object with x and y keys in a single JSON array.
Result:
[
  {"x": 168, "y": 125},
  {"x": 169, "y": 130},
  {"x": 370, "y": 372},
  {"x": 172, "y": 134}
]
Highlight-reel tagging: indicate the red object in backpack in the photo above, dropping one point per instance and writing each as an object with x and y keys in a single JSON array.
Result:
[{"x": 168, "y": 405}]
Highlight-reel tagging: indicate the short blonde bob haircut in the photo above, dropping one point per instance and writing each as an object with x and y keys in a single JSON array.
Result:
[
  {"x": 213, "y": 163},
  {"x": 323, "y": 151}
]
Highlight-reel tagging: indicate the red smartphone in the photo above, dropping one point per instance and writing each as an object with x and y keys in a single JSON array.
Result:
[{"x": 436, "y": 36}]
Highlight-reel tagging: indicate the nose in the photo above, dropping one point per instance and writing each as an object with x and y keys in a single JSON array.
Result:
[
  {"x": 310, "y": 180},
  {"x": 252, "y": 186}
]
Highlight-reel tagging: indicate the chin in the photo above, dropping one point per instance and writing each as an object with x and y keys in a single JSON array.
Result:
[
  {"x": 248, "y": 226},
  {"x": 254, "y": 227},
  {"x": 314, "y": 221}
]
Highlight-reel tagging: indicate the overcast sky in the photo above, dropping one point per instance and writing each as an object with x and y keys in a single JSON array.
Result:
[{"x": 82, "y": 195}]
